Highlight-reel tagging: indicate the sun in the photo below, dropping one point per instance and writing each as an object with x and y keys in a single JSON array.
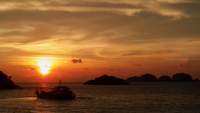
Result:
[
  {"x": 44, "y": 64},
  {"x": 44, "y": 70}
]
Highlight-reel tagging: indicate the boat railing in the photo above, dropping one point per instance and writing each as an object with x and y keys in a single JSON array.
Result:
[{"x": 46, "y": 89}]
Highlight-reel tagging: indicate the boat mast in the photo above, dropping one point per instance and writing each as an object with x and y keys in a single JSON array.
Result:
[{"x": 60, "y": 82}]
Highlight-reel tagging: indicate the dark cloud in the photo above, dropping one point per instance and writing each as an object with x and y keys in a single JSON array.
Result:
[
  {"x": 94, "y": 4},
  {"x": 182, "y": 65},
  {"x": 190, "y": 63},
  {"x": 191, "y": 8},
  {"x": 76, "y": 61}
]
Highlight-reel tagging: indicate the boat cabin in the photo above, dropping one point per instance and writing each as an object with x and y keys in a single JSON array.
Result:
[{"x": 61, "y": 88}]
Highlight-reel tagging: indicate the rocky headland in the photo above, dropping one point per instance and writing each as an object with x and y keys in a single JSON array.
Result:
[{"x": 6, "y": 82}]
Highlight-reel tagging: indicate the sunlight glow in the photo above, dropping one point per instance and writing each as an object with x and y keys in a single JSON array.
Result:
[{"x": 44, "y": 63}]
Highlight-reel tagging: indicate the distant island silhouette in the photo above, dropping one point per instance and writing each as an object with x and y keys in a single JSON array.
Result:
[
  {"x": 106, "y": 80},
  {"x": 196, "y": 80},
  {"x": 144, "y": 78},
  {"x": 179, "y": 77},
  {"x": 165, "y": 78},
  {"x": 182, "y": 77},
  {"x": 6, "y": 82}
]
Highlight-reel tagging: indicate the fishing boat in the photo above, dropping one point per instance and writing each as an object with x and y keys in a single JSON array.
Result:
[{"x": 58, "y": 92}]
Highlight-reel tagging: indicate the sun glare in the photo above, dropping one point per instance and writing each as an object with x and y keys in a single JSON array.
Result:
[{"x": 44, "y": 64}]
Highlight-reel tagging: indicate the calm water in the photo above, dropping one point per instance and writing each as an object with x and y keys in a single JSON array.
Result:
[{"x": 135, "y": 98}]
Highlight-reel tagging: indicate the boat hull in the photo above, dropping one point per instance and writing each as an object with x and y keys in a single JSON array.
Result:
[
  {"x": 59, "y": 92},
  {"x": 59, "y": 97}
]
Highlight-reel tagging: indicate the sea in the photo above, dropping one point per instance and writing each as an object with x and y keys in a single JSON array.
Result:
[{"x": 135, "y": 98}]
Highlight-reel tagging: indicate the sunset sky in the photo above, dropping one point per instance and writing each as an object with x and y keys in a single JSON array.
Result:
[{"x": 78, "y": 40}]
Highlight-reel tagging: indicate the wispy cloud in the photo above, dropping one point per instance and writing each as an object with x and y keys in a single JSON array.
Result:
[
  {"x": 98, "y": 29},
  {"x": 126, "y": 7}
]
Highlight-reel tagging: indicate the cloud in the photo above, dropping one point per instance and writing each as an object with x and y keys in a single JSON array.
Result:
[
  {"x": 76, "y": 61},
  {"x": 190, "y": 63},
  {"x": 182, "y": 65},
  {"x": 98, "y": 29},
  {"x": 136, "y": 64},
  {"x": 126, "y": 7},
  {"x": 70, "y": 6}
]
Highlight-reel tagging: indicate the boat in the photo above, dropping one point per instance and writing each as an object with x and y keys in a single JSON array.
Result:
[{"x": 58, "y": 92}]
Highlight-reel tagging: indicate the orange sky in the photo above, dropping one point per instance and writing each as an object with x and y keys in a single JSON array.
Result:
[{"x": 122, "y": 38}]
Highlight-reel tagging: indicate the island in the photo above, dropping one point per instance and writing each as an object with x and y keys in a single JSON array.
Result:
[
  {"x": 6, "y": 82},
  {"x": 144, "y": 78},
  {"x": 196, "y": 80},
  {"x": 179, "y": 77},
  {"x": 182, "y": 77},
  {"x": 106, "y": 80},
  {"x": 165, "y": 78}
]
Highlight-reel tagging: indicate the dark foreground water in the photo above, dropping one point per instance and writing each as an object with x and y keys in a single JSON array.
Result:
[{"x": 135, "y": 98}]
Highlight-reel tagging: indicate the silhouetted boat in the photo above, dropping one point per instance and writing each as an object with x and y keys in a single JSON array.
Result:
[{"x": 58, "y": 92}]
